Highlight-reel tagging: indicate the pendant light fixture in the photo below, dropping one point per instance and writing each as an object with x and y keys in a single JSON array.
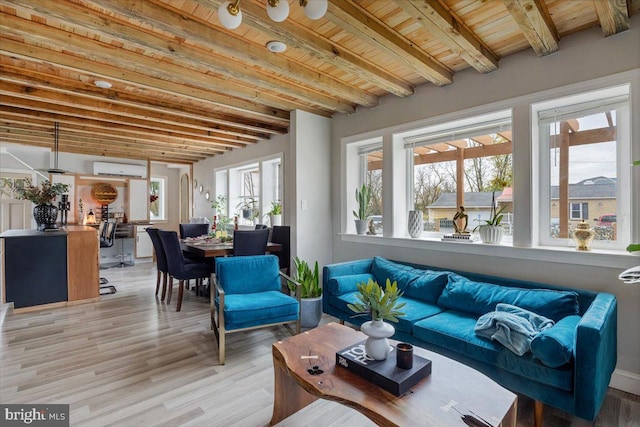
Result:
[
  {"x": 56, "y": 138},
  {"x": 230, "y": 15}
]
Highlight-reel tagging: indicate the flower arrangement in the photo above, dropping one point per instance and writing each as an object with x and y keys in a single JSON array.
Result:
[
  {"x": 383, "y": 305},
  {"x": 43, "y": 195}
]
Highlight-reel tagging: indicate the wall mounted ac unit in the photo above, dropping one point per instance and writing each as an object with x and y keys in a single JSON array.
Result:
[{"x": 119, "y": 169}]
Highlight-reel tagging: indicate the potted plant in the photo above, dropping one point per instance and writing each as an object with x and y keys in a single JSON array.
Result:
[
  {"x": 221, "y": 222},
  {"x": 363, "y": 197},
  {"x": 310, "y": 293},
  {"x": 491, "y": 232},
  {"x": 275, "y": 214},
  {"x": 44, "y": 213},
  {"x": 248, "y": 208},
  {"x": 382, "y": 305}
]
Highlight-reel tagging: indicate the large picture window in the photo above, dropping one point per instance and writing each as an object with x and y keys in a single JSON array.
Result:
[{"x": 581, "y": 139}]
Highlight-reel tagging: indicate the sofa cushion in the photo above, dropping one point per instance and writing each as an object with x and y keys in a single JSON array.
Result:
[
  {"x": 427, "y": 286},
  {"x": 345, "y": 284},
  {"x": 554, "y": 346},
  {"x": 414, "y": 310},
  {"x": 454, "y": 330},
  {"x": 383, "y": 269},
  {"x": 463, "y": 294}
]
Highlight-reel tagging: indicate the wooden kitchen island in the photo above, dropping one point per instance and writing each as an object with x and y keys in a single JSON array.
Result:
[{"x": 48, "y": 269}]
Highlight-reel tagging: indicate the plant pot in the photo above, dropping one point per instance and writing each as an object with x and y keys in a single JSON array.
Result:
[
  {"x": 362, "y": 225},
  {"x": 45, "y": 216},
  {"x": 275, "y": 220},
  {"x": 310, "y": 312},
  {"x": 247, "y": 213},
  {"x": 377, "y": 344},
  {"x": 415, "y": 224},
  {"x": 491, "y": 234}
]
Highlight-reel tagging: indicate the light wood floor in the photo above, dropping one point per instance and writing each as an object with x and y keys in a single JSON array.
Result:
[{"x": 131, "y": 360}]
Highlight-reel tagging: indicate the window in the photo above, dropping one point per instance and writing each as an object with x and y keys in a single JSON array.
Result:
[
  {"x": 581, "y": 140},
  {"x": 157, "y": 198},
  {"x": 371, "y": 169},
  {"x": 249, "y": 190},
  {"x": 462, "y": 163}
]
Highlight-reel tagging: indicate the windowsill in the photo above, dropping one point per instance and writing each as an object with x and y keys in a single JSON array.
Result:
[{"x": 595, "y": 257}]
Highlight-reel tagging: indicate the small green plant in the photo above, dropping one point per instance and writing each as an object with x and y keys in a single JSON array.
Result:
[
  {"x": 309, "y": 279},
  {"x": 219, "y": 205},
  {"x": 383, "y": 305},
  {"x": 276, "y": 209},
  {"x": 43, "y": 195},
  {"x": 363, "y": 197},
  {"x": 495, "y": 218}
]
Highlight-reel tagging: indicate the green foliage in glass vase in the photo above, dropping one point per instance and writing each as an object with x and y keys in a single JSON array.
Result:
[
  {"x": 363, "y": 197},
  {"x": 383, "y": 305},
  {"x": 43, "y": 195},
  {"x": 309, "y": 279}
]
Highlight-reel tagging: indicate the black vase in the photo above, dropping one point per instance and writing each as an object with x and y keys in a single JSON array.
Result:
[{"x": 45, "y": 216}]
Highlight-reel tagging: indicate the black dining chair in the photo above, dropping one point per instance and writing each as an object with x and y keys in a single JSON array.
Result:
[
  {"x": 250, "y": 242},
  {"x": 161, "y": 260},
  {"x": 193, "y": 230},
  {"x": 180, "y": 268},
  {"x": 282, "y": 234},
  {"x": 261, "y": 226}
]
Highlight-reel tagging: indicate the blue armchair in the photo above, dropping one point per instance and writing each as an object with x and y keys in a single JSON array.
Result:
[{"x": 247, "y": 295}]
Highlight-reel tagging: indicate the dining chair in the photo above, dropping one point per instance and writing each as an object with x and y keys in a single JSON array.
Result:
[
  {"x": 161, "y": 260},
  {"x": 179, "y": 268},
  {"x": 193, "y": 230},
  {"x": 261, "y": 226},
  {"x": 282, "y": 234},
  {"x": 250, "y": 242},
  {"x": 246, "y": 295}
]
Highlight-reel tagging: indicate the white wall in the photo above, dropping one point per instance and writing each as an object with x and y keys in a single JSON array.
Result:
[{"x": 582, "y": 57}]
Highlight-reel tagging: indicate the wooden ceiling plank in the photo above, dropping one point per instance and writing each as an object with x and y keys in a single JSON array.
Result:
[
  {"x": 299, "y": 37},
  {"x": 53, "y": 38},
  {"x": 162, "y": 18},
  {"x": 535, "y": 23},
  {"x": 108, "y": 122},
  {"x": 115, "y": 73},
  {"x": 112, "y": 96},
  {"x": 613, "y": 16},
  {"x": 360, "y": 23},
  {"x": 450, "y": 30}
]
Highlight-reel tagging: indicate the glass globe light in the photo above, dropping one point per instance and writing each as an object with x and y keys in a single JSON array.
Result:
[
  {"x": 278, "y": 10},
  {"x": 230, "y": 15},
  {"x": 315, "y": 9}
]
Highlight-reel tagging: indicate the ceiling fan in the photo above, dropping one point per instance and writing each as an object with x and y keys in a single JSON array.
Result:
[{"x": 55, "y": 169}]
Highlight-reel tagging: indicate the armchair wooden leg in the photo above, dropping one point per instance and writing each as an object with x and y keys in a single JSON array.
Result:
[
  {"x": 180, "y": 293},
  {"x": 158, "y": 283},
  {"x": 538, "y": 409},
  {"x": 170, "y": 290}
]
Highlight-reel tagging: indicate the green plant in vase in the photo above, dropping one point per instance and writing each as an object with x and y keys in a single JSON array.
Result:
[
  {"x": 310, "y": 292},
  {"x": 363, "y": 197},
  {"x": 43, "y": 196}
]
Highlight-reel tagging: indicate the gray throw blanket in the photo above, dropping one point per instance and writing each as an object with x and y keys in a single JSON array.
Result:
[{"x": 512, "y": 326}]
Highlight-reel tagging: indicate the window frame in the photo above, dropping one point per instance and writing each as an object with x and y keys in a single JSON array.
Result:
[{"x": 162, "y": 198}]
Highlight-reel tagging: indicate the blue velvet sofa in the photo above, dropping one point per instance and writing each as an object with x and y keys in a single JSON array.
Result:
[{"x": 570, "y": 364}]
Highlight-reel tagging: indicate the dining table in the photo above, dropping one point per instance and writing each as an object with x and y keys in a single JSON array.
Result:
[{"x": 210, "y": 250}]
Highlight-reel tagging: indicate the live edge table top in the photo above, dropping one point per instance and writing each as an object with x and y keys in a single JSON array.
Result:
[{"x": 452, "y": 393}]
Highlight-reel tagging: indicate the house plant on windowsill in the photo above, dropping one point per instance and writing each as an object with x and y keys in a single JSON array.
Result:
[
  {"x": 310, "y": 293},
  {"x": 275, "y": 214},
  {"x": 382, "y": 305},
  {"x": 363, "y": 197},
  {"x": 45, "y": 212},
  {"x": 491, "y": 232}
]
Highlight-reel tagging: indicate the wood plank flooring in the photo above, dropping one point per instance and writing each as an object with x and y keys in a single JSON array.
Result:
[{"x": 131, "y": 360}]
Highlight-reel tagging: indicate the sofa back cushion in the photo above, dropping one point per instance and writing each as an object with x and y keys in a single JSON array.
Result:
[
  {"x": 416, "y": 283},
  {"x": 463, "y": 294},
  {"x": 383, "y": 269},
  {"x": 344, "y": 284}
]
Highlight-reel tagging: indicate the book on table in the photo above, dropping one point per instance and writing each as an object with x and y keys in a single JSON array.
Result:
[{"x": 383, "y": 373}]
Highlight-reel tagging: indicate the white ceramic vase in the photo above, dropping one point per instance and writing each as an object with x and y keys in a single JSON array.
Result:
[
  {"x": 361, "y": 226},
  {"x": 377, "y": 345},
  {"x": 491, "y": 234},
  {"x": 275, "y": 220},
  {"x": 415, "y": 224}
]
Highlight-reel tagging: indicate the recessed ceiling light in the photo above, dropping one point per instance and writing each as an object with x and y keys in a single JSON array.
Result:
[
  {"x": 276, "y": 46},
  {"x": 102, "y": 84}
]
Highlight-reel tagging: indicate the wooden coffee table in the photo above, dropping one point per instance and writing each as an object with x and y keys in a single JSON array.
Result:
[{"x": 452, "y": 393}]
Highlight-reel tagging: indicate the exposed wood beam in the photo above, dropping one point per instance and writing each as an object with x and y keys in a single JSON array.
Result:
[
  {"x": 352, "y": 18},
  {"x": 469, "y": 153},
  {"x": 533, "y": 18},
  {"x": 298, "y": 37},
  {"x": 450, "y": 30},
  {"x": 613, "y": 16}
]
